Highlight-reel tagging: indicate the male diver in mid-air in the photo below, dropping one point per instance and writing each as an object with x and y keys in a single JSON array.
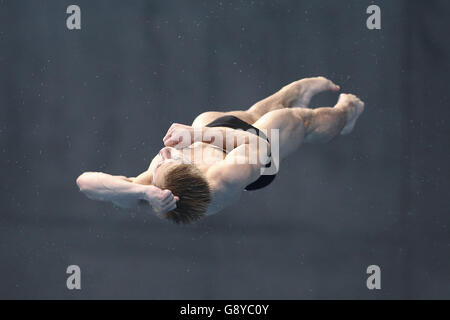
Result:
[{"x": 181, "y": 186}]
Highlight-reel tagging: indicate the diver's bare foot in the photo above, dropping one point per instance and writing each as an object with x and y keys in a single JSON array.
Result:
[
  {"x": 354, "y": 107},
  {"x": 300, "y": 92}
]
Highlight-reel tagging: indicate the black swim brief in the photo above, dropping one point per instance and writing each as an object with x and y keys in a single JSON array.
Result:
[{"x": 236, "y": 123}]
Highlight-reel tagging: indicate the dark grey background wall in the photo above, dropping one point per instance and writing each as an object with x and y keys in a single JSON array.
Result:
[{"x": 101, "y": 99}]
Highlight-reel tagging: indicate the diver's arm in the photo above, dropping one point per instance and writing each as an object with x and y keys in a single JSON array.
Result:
[
  {"x": 123, "y": 192},
  {"x": 105, "y": 187},
  {"x": 181, "y": 136},
  {"x": 145, "y": 177},
  {"x": 227, "y": 138},
  {"x": 241, "y": 167}
]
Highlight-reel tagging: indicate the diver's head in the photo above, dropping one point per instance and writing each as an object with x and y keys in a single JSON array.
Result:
[
  {"x": 185, "y": 180},
  {"x": 168, "y": 157},
  {"x": 170, "y": 153}
]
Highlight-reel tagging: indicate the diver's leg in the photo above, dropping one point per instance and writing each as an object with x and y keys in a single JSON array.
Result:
[
  {"x": 302, "y": 125},
  {"x": 295, "y": 94}
]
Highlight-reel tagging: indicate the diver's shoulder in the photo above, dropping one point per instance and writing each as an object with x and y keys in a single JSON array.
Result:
[{"x": 221, "y": 197}]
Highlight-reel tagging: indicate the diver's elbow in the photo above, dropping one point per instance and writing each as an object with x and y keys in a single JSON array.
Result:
[{"x": 83, "y": 181}]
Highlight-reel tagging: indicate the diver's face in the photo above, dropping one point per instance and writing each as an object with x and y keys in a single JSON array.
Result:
[{"x": 168, "y": 157}]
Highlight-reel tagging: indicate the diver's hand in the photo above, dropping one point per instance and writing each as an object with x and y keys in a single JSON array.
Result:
[
  {"x": 179, "y": 136},
  {"x": 162, "y": 201}
]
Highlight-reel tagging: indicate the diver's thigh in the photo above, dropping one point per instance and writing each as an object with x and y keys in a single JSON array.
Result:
[
  {"x": 276, "y": 119},
  {"x": 289, "y": 127}
]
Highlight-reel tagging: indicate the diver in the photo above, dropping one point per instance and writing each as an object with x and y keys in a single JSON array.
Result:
[{"x": 206, "y": 166}]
